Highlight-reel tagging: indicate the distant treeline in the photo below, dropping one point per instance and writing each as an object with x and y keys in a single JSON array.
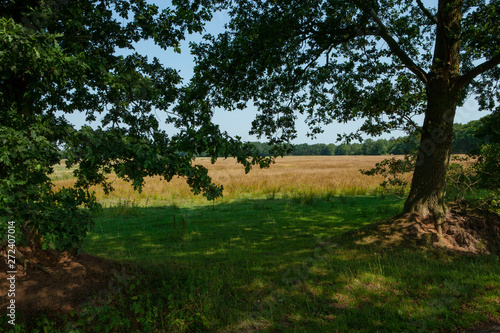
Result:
[{"x": 464, "y": 140}]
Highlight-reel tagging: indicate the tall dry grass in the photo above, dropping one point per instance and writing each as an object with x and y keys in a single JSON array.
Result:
[{"x": 336, "y": 175}]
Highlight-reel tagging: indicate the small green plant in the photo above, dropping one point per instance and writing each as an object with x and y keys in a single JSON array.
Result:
[
  {"x": 495, "y": 203},
  {"x": 174, "y": 205},
  {"x": 393, "y": 170},
  {"x": 473, "y": 181},
  {"x": 304, "y": 198},
  {"x": 124, "y": 208},
  {"x": 461, "y": 177},
  {"x": 180, "y": 227},
  {"x": 488, "y": 166},
  {"x": 329, "y": 194},
  {"x": 272, "y": 192}
]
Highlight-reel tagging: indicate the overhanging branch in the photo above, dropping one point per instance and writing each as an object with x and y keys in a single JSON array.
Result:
[
  {"x": 395, "y": 48},
  {"x": 478, "y": 70},
  {"x": 427, "y": 12}
]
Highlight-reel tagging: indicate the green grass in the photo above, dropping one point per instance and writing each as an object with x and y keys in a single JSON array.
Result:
[
  {"x": 61, "y": 172},
  {"x": 279, "y": 265}
]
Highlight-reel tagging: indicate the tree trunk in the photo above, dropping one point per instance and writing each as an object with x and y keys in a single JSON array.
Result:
[{"x": 428, "y": 187}]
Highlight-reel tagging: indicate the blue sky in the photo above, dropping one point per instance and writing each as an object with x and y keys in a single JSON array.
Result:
[{"x": 239, "y": 122}]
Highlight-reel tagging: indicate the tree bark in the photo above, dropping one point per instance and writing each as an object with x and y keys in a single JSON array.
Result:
[{"x": 428, "y": 188}]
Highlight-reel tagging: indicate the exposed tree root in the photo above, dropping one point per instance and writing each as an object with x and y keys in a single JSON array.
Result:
[
  {"x": 463, "y": 229},
  {"x": 20, "y": 257}
]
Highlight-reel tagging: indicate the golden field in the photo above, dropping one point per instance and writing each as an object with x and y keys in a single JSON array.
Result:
[{"x": 290, "y": 175}]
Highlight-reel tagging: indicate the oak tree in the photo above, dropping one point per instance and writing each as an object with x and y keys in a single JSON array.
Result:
[{"x": 382, "y": 61}]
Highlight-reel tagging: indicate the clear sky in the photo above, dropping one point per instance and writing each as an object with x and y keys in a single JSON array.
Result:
[{"x": 239, "y": 122}]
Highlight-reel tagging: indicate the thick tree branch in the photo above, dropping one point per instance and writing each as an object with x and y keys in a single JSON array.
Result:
[
  {"x": 427, "y": 12},
  {"x": 395, "y": 48},
  {"x": 480, "y": 69}
]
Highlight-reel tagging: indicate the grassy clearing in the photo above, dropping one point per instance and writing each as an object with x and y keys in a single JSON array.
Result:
[
  {"x": 273, "y": 257},
  {"x": 282, "y": 265}
]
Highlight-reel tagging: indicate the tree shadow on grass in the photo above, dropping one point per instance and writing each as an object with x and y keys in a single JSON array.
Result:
[
  {"x": 284, "y": 265},
  {"x": 243, "y": 226}
]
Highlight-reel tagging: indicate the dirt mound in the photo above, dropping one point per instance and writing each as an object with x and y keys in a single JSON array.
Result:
[
  {"x": 53, "y": 282},
  {"x": 464, "y": 230}
]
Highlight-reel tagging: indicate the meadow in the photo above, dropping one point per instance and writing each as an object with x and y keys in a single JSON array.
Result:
[
  {"x": 289, "y": 176},
  {"x": 278, "y": 253}
]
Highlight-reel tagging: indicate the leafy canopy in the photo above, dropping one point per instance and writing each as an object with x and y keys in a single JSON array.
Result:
[
  {"x": 343, "y": 61},
  {"x": 63, "y": 56}
]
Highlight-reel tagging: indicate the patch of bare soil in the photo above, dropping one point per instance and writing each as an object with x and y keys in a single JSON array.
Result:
[
  {"x": 53, "y": 282},
  {"x": 465, "y": 230}
]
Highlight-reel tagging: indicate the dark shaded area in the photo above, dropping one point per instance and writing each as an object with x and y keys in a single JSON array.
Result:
[{"x": 54, "y": 283}]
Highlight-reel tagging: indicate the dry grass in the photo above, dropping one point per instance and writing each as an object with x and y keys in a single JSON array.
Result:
[{"x": 334, "y": 175}]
